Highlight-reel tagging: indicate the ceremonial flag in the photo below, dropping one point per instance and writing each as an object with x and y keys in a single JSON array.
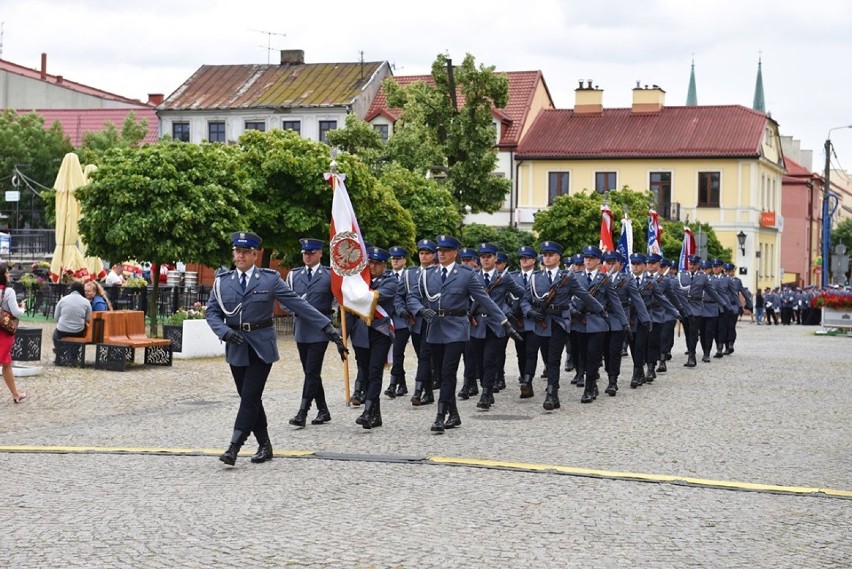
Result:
[
  {"x": 350, "y": 275},
  {"x": 606, "y": 229},
  {"x": 654, "y": 233},
  {"x": 687, "y": 248},
  {"x": 625, "y": 242}
]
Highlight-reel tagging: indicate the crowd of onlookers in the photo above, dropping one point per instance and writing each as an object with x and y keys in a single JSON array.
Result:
[{"x": 784, "y": 306}]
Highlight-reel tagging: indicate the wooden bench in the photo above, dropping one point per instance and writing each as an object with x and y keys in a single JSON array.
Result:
[
  {"x": 71, "y": 350},
  {"x": 123, "y": 332}
]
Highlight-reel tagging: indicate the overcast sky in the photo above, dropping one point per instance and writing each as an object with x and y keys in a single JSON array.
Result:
[{"x": 136, "y": 48}]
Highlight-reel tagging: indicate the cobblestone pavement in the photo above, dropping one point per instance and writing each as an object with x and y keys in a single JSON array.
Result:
[{"x": 777, "y": 412}]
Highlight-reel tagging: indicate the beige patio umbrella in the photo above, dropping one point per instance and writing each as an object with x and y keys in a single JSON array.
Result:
[
  {"x": 94, "y": 264},
  {"x": 67, "y": 257}
]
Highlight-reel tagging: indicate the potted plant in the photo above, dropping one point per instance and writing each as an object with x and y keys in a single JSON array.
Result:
[
  {"x": 190, "y": 334},
  {"x": 836, "y": 306}
]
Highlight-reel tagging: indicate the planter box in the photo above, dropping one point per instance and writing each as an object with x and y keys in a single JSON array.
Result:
[
  {"x": 836, "y": 317},
  {"x": 194, "y": 339}
]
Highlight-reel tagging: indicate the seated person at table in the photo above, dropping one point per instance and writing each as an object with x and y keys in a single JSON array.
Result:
[
  {"x": 72, "y": 313},
  {"x": 115, "y": 276},
  {"x": 97, "y": 296}
]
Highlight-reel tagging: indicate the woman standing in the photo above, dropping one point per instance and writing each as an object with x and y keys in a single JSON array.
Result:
[
  {"x": 9, "y": 301},
  {"x": 97, "y": 296}
]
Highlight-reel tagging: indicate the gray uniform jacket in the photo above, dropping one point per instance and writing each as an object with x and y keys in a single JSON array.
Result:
[
  {"x": 357, "y": 329},
  {"x": 407, "y": 281},
  {"x": 558, "y": 311},
  {"x": 253, "y": 306},
  {"x": 653, "y": 295},
  {"x": 317, "y": 292},
  {"x": 528, "y": 324},
  {"x": 501, "y": 285},
  {"x": 631, "y": 300},
  {"x": 612, "y": 318},
  {"x": 693, "y": 288}
]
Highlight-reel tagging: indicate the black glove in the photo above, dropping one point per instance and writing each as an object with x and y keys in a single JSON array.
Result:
[
  {"x": 511, "y": 332},
  {"x": 628, "y": 333},
  {"x": 740, "y": 311},
  {"x": 536, "y": 315},
  {"x": 334, "y": 336},
  {"x": 576, "y": 313},
  {"x": 683, "y": 315},
  {"x": 427, "y": 313},
  {"x": 403, "y": 314},
  {"x": 233, "y": 337},
  {"x": 647, "y": 325}
]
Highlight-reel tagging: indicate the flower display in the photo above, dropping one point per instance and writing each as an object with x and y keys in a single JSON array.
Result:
[
  {"x": 197, "y": 312},
  {"x": 833, "y": 299},
  {"x": 135, "y": 282},
  {"x": 31, "y": 281}
]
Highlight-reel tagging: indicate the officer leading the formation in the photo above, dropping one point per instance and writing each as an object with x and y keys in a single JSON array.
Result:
[{"x": 240, "y": 312}]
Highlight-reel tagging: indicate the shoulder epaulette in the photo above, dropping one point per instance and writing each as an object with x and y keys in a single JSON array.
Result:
[
  {"x": 270, "y": 271},
  {"x": 465, "y": 267}
]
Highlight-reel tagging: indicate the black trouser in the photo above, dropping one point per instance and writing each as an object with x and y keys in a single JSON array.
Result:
[
  {"x": 485, "y": 353},
  {"x": 400, "y": 342},
  {"x": 721, "y": 335},
  {"x": 312, "y": 355},
  {"x": 250, "y": 381},
  {"x": 691, "y": 327},
  {"x": 446, "y": 359},
  {"x": 371, "y": 362},
  {"x": 708, "y": 333},
  {"x": 771, "y": 317},
  {"x": 472, "y": 370},
  {"x": 58, "y": 335},
  {"x": 732, "y": 328},
  {"x": 555, "y": 345},
  {"x": 591, "y": 352},
  {"x": 578, "y": 356},
  {"x": 501, "y": 356},
  {"x": 612, "y": 352},
  {"x": 528, "y": 353},
  {"x": 667, "y": 335},
  {"x": 639, "y": 346},
  {"x": 424, "y": 357},
  {"x": 652, "y": 352},
  {"x": 786, "y": 315}
]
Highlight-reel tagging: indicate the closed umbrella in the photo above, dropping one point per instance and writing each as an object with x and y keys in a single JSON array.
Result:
[{"x": 67, "y": 257}]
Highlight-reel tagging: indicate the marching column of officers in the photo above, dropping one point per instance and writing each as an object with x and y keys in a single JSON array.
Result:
[{"x": 454, "y": 309}]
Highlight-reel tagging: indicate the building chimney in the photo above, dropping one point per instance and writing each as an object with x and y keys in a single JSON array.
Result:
[
  {"x": 155, "y": 99},
  {"x": 43, "y": 66},
  {"x": 59, "y": 79},
  {"x": 648, "y": 100},
  {"x": 292, "y": 57},
  {"x": 588, "y": 100}
]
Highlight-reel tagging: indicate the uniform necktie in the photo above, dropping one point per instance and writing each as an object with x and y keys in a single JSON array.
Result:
[
  {"x": 396, "y": 276},
  {"x": 487, "y": 279},
  {"x": 525, "y": 280},
  {"x": 590, "y": 276},
  {"x": 637, "y": 281},
  {"x": 444, "y": 274},
  {"x": 310, "y": 273},
  {"x": 243, "y": 281}
]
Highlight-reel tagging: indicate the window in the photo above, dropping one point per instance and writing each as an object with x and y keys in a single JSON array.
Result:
[
  {"x": 382, "y": 129},
  {"x": 295, "y": 126},
  {"x": 216, "y": 131},
  {"x": 180, "y": 131},
  {"x": 708, "y": 189},
  {"x": 605, "y": 181},
  {"x": 557, "y": 185},
  {"x": 256, "y": 125},
  {"x": 660, "y": 184},
  {"x": 324, "y": 127}
]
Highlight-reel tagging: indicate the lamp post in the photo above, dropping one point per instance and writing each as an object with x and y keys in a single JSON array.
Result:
[
  {"x": 826, "y": 216},
  {"x": 741, "y": 237}
]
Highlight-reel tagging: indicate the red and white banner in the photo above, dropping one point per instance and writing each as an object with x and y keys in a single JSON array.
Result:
[
  {"x": 350, "y": 275},
  {"x": 606, "y": 230},
  {"x": 687, "y": 248},
  {"x": 654, "y": 233}
]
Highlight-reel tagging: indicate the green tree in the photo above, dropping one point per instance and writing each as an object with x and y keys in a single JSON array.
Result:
[
  {"x": 359, "y": 138},
  {"x": 457, "y": 141},
  {"x": 95, "y": 144},
  {"x": 842, "y": 233},
  {"x": 430, "y": 205},
  {"x": 507, "y": 239},
  {"x": 163, "y": 203},
  {"x": 36, "y": 152}
]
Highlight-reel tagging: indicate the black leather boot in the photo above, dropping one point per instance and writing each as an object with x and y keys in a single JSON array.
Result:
[
  {"x": 729, "y": 349},
  {"x": 264, "y": 452},
  {"x": 569, "y": 363},
  {"x": 719, "y": 352},
  {"x": 438, "y": 425},
  {"x": 638, "y": 377},
  {"x": 376, "y": 416},
  {"x": 464, "y": 392},
  {"x": 357, "y": 393},
  {"x": 364, "y": 418},
  {"x": 662, "y": 367},
  {"x": 401, "y": 387},
  {"x": 580, "y": 377},
  {"x": 526, "y": 386},
  {"x": 500, "y": 384},
  {"x": 474, "y": 387},
  {"x": 690, "y": 360},
  {"x": 427, "y": 398},
  {"x": 590, "y": 392},
  {"x": 612, "y": 387},
  {"x": 323, "y": 416},
  {"x": 302, "y": 415},
  {"x": 543, "y": 373},
  {"x": 706, "y": 358},
  {"x": 651, "y": 375},
  {"x": 391, "y": 390},
  {"x": 453, "y": 420},
  {"x": 485, "y": 399},
  {"x": 229, "y": 457},
  {"x": 551, "y": 400},
  {"x": 418, "y": 393}
]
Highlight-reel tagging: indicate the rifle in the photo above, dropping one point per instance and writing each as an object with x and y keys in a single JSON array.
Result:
[
  {"x": 551, "y": 294},
  {"x": 593, "y": 290},
  {"x": 488, "y": 289}
]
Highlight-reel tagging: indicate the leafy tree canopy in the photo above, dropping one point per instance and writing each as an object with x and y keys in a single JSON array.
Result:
[
  {"x": 95, "y": 144},
  {"x": 843, "y": 234},
  {"x": 430, "y": 205},
  {"x": 507, "y": 239},
  {"x": 360, "y": 138}
]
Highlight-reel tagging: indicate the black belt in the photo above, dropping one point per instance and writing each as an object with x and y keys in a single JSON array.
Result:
[
  {"x": 654, "y": 305},
  {"x": 559, "y": 307},
  {"x": 695, "y": 297},
  {"x": 249, "y": 326},
  {"x": 324, "y": 313},
  {"x": 441, "y": 312}
]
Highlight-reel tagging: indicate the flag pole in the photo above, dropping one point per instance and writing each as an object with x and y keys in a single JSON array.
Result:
[{"x": 343, "y": 335}]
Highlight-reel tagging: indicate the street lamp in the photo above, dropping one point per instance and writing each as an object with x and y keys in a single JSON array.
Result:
[
  {"x": 741, "y": 237},
  {"x": 826, "y": 216}
]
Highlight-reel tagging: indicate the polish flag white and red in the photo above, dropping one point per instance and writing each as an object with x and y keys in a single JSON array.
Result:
[
  {"x": 606, "y": 230},
  {"x": 654, "y": 233},
  {"x": 687, "y": 248},
  {"x": 350, "y": 275}
]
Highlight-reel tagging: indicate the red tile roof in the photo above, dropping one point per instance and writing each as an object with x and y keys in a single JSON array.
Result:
[
  {"x": 796, "y": 173},
  {"x": 522, "y": 87},
  {"x": 61, "y": 81},
  {"x": 273, "y": 86},
  {"x": 76, "y": 122},
  {"x": 700, "y": 131}
]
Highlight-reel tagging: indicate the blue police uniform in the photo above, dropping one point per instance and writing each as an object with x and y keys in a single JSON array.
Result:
[
  {"x": 424, "y": 379},
  {"x": 240, "y": 311},
  {"x": 736, "y": 289},
  {"x": 527, "y": 349},
  {"x": 313, "y": 284},
  {"x": 667, "y": 330},
  {"x": 694, "y": 287},
  {"x": 402, "y": 332}
]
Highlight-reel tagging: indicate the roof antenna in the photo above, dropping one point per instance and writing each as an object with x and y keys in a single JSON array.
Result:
[{"x": 268, "y": 47}]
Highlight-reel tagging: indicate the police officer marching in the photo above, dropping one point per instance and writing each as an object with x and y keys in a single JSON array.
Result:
[
  {"x": 240, "y": 311},
  {"x": 402, "y": 332},
  {"x": 312, "y": 283},
  {"x": 634, "y": 308},
  {"x": 526, "y": 349},
  {"x": 692, "y": 286},
  {"x": 426, "y": 250},
  {"x": 736, "y": 290}
]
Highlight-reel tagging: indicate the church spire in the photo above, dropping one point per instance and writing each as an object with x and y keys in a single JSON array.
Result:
[
  {"x": 692, "y": 95},
  {"x": 759, "y": 104}
]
